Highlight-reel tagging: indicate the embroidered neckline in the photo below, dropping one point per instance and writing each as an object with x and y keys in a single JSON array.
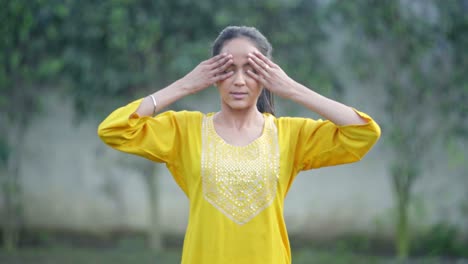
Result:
[
  {"x": 221, "y": 140},
  {"x": 240, "y": 181}
]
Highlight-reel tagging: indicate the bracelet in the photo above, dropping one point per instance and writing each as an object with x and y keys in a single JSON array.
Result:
[{"x": 154, "y": 104}]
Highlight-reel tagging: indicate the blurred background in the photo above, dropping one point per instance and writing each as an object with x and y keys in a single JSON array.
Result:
[{"x": 65, "y": 197}]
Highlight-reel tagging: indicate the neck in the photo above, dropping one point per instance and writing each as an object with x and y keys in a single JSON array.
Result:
[{"x": 239, "y": 118}]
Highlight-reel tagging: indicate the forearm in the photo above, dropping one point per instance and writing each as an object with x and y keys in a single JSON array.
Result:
[
  {"x": 203, "y": 76},
  {"x": 336, "y": 112},
  {"x": 163, "y": 97}
]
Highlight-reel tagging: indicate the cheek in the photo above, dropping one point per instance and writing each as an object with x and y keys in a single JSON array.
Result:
[
  {"x": 253, "y": 83},
  {"x": 222, "y": 83},
  {"x": 223, "y": 87}
]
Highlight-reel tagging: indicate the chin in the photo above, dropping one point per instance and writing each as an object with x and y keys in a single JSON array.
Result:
[{"x": 240, "y": 106}]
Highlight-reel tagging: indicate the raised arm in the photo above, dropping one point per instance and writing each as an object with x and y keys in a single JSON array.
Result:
[
  {"x": 346, "y": 136},
  {"x": 133, "y": 129},
  {"x": 278, "y": 82},
  {"x": 204, "y": 75}
]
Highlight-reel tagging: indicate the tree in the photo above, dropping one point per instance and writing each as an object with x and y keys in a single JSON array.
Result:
[
  {"x": 65, "y": 46},
  {"x": 103, "y": 53},
  {"x": 17, "y": 101},
  {"x": 413, "y": 51}
]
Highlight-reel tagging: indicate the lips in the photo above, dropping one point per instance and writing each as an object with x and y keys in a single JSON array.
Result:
[{"x": 238, "y": 95}]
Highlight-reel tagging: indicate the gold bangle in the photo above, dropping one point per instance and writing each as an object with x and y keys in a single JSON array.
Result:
[{"x": 154, "y": 104}]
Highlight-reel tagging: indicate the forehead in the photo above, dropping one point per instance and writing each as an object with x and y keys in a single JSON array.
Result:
[{"x": 239, "y": 48}]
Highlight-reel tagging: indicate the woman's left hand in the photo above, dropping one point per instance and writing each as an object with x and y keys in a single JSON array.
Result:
[{"x": 270, "y": 75}]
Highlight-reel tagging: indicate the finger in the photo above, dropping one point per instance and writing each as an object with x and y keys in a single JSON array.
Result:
[
  {"x": 264, "y": 59},
  {"x": 216, "y": 64},
  {"x": 222, "y": 67},
  {"x": 258, "y": 73},
  {"x": 261, "y": 63},
  {"x": 255, "y": 76},
  {"x": 223, "y": 76},
  {"x": 211, "y": 60},
  {"x": 255, "y": 62},
  {"x": 218, "y": 60},
  {"x": 217, "y": 57}
]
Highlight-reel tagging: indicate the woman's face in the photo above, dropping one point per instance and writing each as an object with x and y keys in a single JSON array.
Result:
[{"x": 240, "y": 91}]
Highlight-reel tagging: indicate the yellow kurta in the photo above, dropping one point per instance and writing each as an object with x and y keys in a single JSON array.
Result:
[{"x": 236, "y": 194}]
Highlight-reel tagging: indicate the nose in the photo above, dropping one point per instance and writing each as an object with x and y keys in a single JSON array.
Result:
[{"x": 239, "y": 79}]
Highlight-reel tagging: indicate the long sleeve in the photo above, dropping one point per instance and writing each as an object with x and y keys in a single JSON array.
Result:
[
  {"x": 317, "y": 143},
  {"x": 155, "y": 138}
]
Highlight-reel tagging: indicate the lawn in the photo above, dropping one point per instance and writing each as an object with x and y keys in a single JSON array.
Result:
[{"x": 142, "y": 256}]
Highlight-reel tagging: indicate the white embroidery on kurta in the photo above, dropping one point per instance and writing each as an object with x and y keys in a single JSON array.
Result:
[{"x": 240, "y": 181}]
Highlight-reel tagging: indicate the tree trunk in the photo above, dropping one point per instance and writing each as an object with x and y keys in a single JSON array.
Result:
[
  {"x": 155, "y": 238},
  {"x": 403, "y": 175},
  {"x": 403, "y": 241},
  {"x": 11, "y": 191},
  {"x": 10, "y": 222}
]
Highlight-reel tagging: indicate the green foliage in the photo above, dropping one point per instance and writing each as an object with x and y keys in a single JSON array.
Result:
[
  {"x": 414, "y": 51},
  {"x": 441, "y": 240},
  {"x": 98, "y": 51},
  {"x": 80, "y": 255},
  {"x": 102, "y": 50},
  {"x": 4, "y": 152}
]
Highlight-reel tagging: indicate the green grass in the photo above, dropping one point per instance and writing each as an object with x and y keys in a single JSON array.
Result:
[
  {"x": 88, "y": 256},
  {"x": 142, "y": 256}
]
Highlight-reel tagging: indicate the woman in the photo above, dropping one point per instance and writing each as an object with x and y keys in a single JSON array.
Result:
[{"x": 237, "y": 165}]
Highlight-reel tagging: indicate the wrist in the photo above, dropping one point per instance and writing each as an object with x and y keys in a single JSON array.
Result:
[
  {"x": 180, "y": 89},
  {"x": 155, "y": 103},
  {"x": 183, "y": 88},
  {"x": 296, "y": 91}
]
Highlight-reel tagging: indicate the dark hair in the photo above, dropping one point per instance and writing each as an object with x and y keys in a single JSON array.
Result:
[{"x": 265, "y": 103}]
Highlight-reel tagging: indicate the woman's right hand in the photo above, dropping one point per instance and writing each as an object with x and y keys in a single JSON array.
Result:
[{"x": 207, "y": 73}]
